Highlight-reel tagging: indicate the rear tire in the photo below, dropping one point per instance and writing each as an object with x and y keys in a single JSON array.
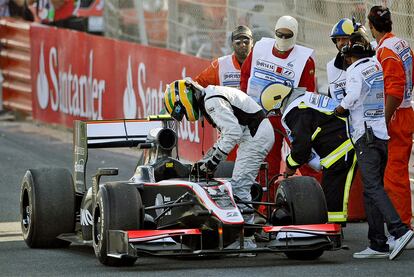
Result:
[
  {"x": 302, "y": 198},
  {"x": 118, "y": 207},
  {"x": 47, "y": 207}
]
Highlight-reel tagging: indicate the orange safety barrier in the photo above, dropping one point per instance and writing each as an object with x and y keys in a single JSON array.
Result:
[{"x": 15, "y": 64}]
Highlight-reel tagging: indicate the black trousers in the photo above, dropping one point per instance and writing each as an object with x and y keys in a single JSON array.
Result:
[
  {"x": 336, "y": 184},
  {"x": 372, "y": 160}
]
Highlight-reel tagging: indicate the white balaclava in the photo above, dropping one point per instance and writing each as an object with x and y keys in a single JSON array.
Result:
[{"x": 290, "y": 23}]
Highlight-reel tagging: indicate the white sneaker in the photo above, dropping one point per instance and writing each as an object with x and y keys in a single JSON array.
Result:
[
  {"x": 401, "y": 243},
  {"x": 391, "y": 243},
  {"x": 370, "y": 254}
]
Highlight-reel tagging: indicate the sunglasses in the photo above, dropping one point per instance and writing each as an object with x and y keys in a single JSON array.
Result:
[
  {"x": 283, "y": 35},
  {"x": 245, "y": 41}
]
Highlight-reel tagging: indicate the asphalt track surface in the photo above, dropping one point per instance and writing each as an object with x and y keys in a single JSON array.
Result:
[{"x": 25, "y": 145}]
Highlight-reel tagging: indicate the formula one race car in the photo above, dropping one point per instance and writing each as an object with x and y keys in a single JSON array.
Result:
[{"x": 165, "y": 208}]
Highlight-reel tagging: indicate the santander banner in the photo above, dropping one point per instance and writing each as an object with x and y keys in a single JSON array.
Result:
[{"x": 80, "y": 76}]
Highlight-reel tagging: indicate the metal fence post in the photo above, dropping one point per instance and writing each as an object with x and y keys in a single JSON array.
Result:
[
  {"x": 1, "y": 91},
  {"x": 139, "y": 6}
]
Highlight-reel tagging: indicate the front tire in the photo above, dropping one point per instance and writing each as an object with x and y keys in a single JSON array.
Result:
[
  {"x": 302, "y": 201},
  {"x": 47, "y": 207},
  {"x": 118, "y": 207}
]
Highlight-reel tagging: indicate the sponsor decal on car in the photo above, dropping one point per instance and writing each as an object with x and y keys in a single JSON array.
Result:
[
  {"x": 232, "y": 214},
  {"x": 79, "y": 150},
  {"x": 80, "y": 166},
  {"x": 86, "y": 217},
  {"x": 160, "y": 200}
]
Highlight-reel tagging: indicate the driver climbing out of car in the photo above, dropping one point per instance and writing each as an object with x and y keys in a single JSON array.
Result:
[
  {"x": 238, "y": 118},
  {"x": 318, "y": 138}
]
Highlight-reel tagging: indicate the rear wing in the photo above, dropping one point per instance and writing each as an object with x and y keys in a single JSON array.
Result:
[{"x": 110, "y": 134}]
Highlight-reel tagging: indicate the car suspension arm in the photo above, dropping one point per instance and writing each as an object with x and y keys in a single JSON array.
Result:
[{"x": 170, "y": 206}]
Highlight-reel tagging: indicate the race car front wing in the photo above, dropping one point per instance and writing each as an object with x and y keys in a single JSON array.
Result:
[{"x": 169, "y": 242}]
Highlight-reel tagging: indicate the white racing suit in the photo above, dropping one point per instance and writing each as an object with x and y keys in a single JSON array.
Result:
[
  {"x": 240, "y": 120},
  {"x": 365, "y": 98}
]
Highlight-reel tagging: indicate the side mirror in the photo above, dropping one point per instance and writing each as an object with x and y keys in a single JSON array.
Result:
[{"x": 106, "y": 172}]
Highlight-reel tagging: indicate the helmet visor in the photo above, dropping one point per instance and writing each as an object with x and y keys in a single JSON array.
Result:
[
  {"x": 273, "y": 95},
  {"x": 178, "y": 111}
]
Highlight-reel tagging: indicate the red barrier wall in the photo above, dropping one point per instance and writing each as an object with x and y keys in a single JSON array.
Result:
[{"x": 81, "y": 76}]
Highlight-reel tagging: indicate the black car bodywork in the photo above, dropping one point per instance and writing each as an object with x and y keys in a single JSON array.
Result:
[{"x": 165, "y": 208}]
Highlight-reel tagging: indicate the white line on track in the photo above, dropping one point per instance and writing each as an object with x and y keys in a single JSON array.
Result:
[{"x": 10, "y": 231}]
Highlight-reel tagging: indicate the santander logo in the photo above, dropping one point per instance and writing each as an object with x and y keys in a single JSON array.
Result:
[
  {"x": 130, "y": 101},
  {"x": 70, "y": 92},
  {"x": 42, "y": 83}
]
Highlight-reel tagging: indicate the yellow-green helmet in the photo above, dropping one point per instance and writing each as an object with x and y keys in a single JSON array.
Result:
[
  {"x": 179, "y": 101},
  {"x": 273, "y": 96}
]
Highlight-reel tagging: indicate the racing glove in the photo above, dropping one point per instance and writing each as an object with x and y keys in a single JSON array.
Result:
[
  {"x": 210, "y": 164},
  {"x": 198, "y": 173}
]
